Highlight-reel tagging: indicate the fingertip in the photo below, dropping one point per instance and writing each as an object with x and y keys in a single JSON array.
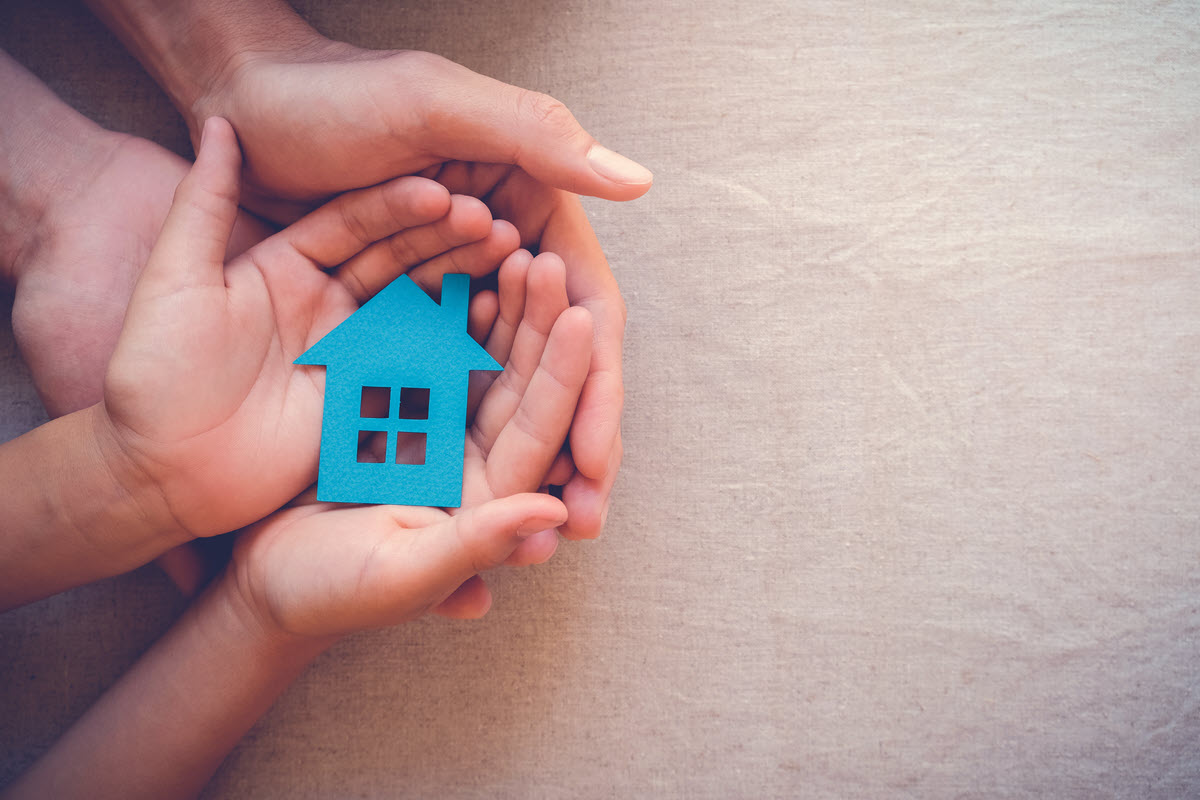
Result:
[
  {"x": 485, "y": 307},
  {"x": 627, "y": 178},
  {"x": 471, "y": 600},
  {"x": 588, "y": 507},
  {"x": 468, "y": 217},
  {"x": 548, "y": 265},
  {"x": 424, "y": 199},
  {"x": 505, "y": 235},
  {"x": 576, "y": 322}
]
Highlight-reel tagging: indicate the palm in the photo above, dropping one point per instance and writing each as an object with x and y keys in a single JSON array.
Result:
[
  {"x": 214, "y": 373},
  {"x": 320, "y": 569},
  {"x": 201, "y": 390},
  {"x": 551, "y": 220}
]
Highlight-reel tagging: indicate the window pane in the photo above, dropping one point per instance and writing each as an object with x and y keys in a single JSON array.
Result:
[
  {"x": 414, "y": 403},
  {"x": 376, "y": 402},
  {"x": 410, "y": 448},
  {"x": 371, "y": 448}
]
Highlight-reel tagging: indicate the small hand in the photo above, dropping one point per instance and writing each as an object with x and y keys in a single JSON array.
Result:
[
  {"x": 205, "y": 407},
  {"x": 549, "y": 219},
  {"x": 321, "y": 570}
]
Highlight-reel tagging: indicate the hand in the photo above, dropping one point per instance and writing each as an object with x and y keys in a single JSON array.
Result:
[
  {"x": 549, "y": 219},
  {"x": 392, "y": 113},
  {"x": 204, "y": 407},
  {"x": 289, "y": 91},
  {"x": 320, "y": 570},
  {"x": 395, "y": 113}
]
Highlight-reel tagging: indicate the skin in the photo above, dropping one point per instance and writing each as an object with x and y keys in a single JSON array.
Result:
[
  {"x": 202, "y": 367},
  {"x": 290, "y": 92},
  {"x": 309, "y": 574},
  {"x": 80, "y": 210}
]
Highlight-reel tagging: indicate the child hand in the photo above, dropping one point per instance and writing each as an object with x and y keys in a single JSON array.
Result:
[
  {"x": 323, "y": 570},
  {"x": 204, "y": 411}
]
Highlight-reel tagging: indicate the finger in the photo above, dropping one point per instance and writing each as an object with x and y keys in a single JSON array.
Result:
[
  {"x": 469, "y": 601},
  {"x": 511, "y": 306},
  {"x": 421, "y": 568},
  {"x": 471, "y": 117},
  {"x": 511, "y": 282},
  {"x": 482, "y": 314},
  {"x": 364, "y": 274},
  {"x": 560, "y": 471},
  {"x": 590, "y": 283},
  {"x": 184, "y": 566},
  {"x": 546, "y": 299},
  {"x": 587, "y": 499},
  {"x": 529, "y": 443},
  {"x": 475, "y": 259},
  {"x": 353, "y": 221},
  {"x": 190, "y": 251},
  {"x": 537, "y": 549}
]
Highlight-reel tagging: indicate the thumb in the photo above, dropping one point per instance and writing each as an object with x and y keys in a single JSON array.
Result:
[
  {"x": 426, "y": 569},
  {"x": 191, "y": 247},
  {"x": 471, "y": 117}
]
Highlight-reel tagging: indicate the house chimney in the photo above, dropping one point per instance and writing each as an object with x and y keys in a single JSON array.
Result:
[{"x": 456, "y": 292}]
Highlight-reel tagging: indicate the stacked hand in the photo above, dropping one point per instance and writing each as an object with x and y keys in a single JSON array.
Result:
[
  {"x": 203, "y": 408},
  {"x": 396, "y": 113},
  {"x": 319, "y": 570}
]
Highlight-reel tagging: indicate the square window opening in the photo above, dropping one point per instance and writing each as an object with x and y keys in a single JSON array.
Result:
[
  {"x": 414, "y": 403},
  {"x": 375, "y": 403},
  {"x": 410, "y": 448},
  {"x": 371, "y": 447}
]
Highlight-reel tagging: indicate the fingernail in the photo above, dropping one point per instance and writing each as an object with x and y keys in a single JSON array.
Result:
[
  {"x": 617, "y": 167},
  {"x": 604, "y": 514},
  {"x": 534, "y": 525}
]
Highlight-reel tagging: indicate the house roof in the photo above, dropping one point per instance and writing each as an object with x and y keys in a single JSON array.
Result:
[{"x": 402, "y": 331}]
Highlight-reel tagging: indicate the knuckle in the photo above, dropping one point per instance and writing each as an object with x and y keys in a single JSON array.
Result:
[{"x": 548, "y": 113}]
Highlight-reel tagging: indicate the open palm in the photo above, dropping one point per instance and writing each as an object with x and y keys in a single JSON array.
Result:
[
  {"x": 204, "y": 402},
  {"x": 318, "y": 569}
]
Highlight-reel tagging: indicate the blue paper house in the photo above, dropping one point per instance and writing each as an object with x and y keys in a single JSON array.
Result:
[{"x": 397, "y": 350}]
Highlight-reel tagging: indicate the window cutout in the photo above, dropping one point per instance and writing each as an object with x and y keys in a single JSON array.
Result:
[
  {"x": 372, "y": 450},
  {"x": 410, "y": 448},
  {"x": 414, "y": 403},
  {"x": 375, "y": 403}
]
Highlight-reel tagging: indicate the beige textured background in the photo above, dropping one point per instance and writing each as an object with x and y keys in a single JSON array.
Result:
[{"x": 909, "y": 505}]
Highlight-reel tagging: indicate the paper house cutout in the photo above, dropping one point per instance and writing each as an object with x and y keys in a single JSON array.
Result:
[{"x": 404, "y": 345}]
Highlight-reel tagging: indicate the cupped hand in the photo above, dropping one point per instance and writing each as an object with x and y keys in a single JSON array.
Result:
[
  {"x": 317, "y": 569},
  {"x": 205, "y": 411},
  {"x": 549, "y": 219},
  {"x": 523, "y": 153},
  {"x": 323, "y": 117}
]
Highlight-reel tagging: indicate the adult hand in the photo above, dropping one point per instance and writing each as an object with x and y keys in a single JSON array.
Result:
[
  {"x": 522, "y": 152},
  {"x": 291, "y": 94},
  {"x": 323, "y": 116}
]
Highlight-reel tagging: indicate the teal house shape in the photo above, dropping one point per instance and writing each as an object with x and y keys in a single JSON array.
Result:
[{"x": 383, "y": 363}]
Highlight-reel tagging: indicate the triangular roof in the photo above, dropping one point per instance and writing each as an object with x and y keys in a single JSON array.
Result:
[{"x": 402, "y": 329}]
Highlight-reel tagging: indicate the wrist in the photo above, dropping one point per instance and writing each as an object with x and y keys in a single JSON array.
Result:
[
  {"x": 44, "y": 141},
  {"x": 243, "y": 621},
  {"x": 73, "y": 513},
  {"x": 193, "y": 49},
  {"x": 129, "y": 497}
]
